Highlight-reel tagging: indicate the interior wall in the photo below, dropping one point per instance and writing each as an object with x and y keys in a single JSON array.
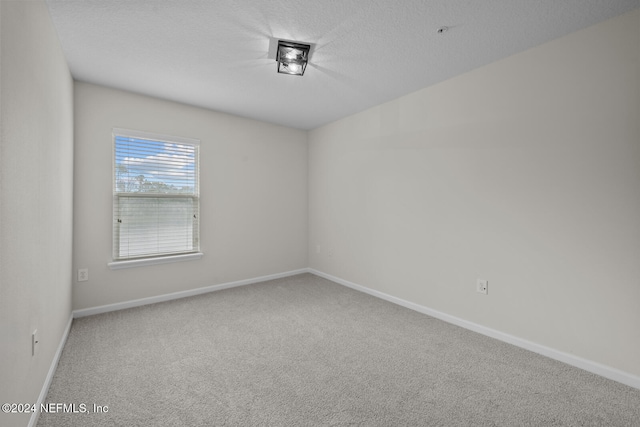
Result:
[
  {"x": 253, "y": 196},
  {"x": 36, "y": 191},
  {"x": 525, "y": 172}
]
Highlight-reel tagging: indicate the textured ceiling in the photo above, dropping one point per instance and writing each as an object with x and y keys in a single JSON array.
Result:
[{"x": 220, "y": 54}]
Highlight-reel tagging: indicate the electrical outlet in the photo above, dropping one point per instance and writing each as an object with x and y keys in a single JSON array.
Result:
[
  {"x": 482, "y": 286},
  {"x": 83, "y": 274},
  {"x": 317, "y": 249},
  {"x": 34, "y": 340}
]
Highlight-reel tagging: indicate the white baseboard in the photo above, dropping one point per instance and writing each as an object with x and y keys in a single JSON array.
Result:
[
  {"x": 182, "y": 294},
  {"x": 52, "y": 370},
  {"x": 587, "y": 365}
]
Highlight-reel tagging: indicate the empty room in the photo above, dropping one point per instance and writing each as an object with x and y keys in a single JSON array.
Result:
[{"x": 301, "y": 213}]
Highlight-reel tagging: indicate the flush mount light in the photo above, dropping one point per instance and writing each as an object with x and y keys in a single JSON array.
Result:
[{"x": 292, "y": 57}]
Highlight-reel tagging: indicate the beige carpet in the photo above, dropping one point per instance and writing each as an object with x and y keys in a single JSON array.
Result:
[{"x": 303, "y": 351}]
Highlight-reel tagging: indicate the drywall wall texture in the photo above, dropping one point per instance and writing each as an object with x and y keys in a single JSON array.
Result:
[
  {"x": 253, "y": 196},
  {"x": 36, "y": 192},
  {"x": 524, "y": 172}
]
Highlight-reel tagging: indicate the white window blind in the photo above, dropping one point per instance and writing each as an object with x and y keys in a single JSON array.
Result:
[{"x": 156, "y": 204}]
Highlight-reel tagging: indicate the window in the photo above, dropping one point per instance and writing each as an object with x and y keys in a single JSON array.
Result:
[{"x": 155, "y": 196}]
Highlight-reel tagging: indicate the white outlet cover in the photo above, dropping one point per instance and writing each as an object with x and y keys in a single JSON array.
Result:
[
  {"x": 482, "y": 286},
  {"x": 83, "y": 274},
  {"x": 34, "y": 340}
]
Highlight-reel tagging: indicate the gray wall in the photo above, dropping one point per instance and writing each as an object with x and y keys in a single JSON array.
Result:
[
  {"x": 36, "y": 159},
  {"x": 253, "y": 191},
  {"x": 525, "y": 172}
]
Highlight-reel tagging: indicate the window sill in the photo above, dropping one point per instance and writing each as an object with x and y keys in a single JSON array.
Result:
[{"x": 117, "y": 265}]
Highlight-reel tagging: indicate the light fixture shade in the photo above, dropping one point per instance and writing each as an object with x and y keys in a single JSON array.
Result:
[{"x": 292, "y": 57}]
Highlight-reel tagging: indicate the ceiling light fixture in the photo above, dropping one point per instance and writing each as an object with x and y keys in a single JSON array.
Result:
[{"x": 292, "y": 57}]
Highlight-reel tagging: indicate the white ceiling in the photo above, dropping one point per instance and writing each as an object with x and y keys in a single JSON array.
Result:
[{"x": 219, "y": 54}]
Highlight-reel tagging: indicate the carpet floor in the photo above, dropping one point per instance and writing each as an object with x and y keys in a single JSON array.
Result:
[{"x": 304, "y": 351}]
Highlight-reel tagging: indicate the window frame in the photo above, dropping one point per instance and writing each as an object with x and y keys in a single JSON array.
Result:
[{"x": 118, "y": 261}]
